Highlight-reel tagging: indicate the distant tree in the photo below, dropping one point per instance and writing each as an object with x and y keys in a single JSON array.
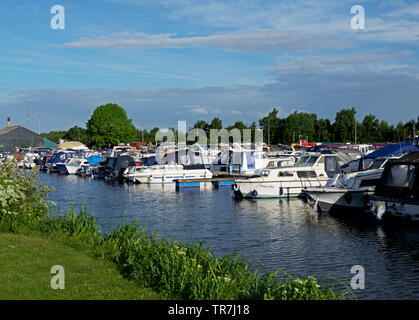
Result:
[
  {"x": 323, "y": 130},
  {"x": 271, "y": 127},
  {"x": 344, "y": 126},
  {"x": 387, "y": 133},
  {"x": 298, "y": 125},
  {"x": 201, "y": 124},
  {"x": 54, "y": 136},
  {"x": 370, "y": 129},
  {"x": 216, "y": 123},
  {"x": 77, "y": 134},
  {"x": 109, "y": 126}
]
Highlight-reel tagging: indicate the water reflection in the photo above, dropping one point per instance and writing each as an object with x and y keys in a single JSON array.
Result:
[{"x": 277, "y": 233}]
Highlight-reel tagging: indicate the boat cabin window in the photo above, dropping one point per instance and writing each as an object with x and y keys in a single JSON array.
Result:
[
  {"x": 377, "y": 164},
  {"x": 306, "y": 174},
  {"x": 264, "y": 173},
  {"x": 400, "y": 176},
  {"x": 285, "y": 174},
  {"x": 306, "y": 161}
]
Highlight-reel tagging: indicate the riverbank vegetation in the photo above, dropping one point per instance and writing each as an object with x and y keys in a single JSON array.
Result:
[
  {"x": 276, "y": 129},
  {"x": 167, "y": 268}
]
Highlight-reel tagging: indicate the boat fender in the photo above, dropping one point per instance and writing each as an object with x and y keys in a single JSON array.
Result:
[
  {"x": 254, "y": 193},
  {"x": 236, "y": 187},
  {"x": 281, "y": 191}
]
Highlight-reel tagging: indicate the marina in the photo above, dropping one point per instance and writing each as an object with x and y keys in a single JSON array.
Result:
[
  {"x": 273, "y": 233},
  {"x": 323, "y": 222}
]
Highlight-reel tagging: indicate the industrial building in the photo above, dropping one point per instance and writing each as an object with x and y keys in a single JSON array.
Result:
[{"x": 15, "y": 137}]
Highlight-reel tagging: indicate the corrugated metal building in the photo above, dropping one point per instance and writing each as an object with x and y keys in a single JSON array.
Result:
[{"x": 13, "y": 137}]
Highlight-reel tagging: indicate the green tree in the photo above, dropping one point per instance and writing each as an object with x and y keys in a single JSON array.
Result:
[
  {"x": 323, "y": 130},
  {"x": 201, "y": 124},
  {"x": 271, "y": 127},
  {"x": 370, "y": 129},
  {"x": 54, "y": 136},
  {"x": 344, "y": 126},
  {"x": 77, "y": 134},
  {"x": 216, "y": 123},
  {"x": 298, "y": 125},
  {"x": 109, "y": 126}
]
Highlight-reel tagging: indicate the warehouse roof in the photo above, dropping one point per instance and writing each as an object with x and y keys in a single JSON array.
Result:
[{"x": 8, "y": 129}]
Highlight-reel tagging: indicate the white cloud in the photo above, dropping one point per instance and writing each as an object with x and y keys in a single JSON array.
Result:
[
  {"x": 258, "y": 40},
  {"x": 197, "y": 110}
]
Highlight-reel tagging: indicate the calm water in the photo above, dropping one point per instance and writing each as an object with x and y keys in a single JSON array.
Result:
[{"x": 277, "y": 234}]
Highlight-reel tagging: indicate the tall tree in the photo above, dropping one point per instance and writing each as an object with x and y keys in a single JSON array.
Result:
[
  {"x": 109, "y": 126},
  {"x": 216, "y": 123},
  {"x": 344, "y": 126},
  {"x": 323, "y": 130},
  {"x": 77, "y": 133},
  {"x": 370, "y": 129},
  {"x": 270, "y": 126}
]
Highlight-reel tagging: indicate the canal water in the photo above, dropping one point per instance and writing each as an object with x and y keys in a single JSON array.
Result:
[{"x": 272, "y": 234}]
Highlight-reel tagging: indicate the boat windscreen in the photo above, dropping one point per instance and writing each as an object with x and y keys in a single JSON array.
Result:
[
  {"x": 306, "y": 161},
  {"x": 400, "y": 175},
  {"x": 377, "y": 164}
]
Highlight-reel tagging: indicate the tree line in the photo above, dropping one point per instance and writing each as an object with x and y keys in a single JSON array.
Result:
[{"x": 109, "y": 125}]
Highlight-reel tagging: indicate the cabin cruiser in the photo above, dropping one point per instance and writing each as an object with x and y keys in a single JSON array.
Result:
[
  {"x": 351, "y": 188},
  {"x": 309, "y": 171},
  {"x": 247, "y": 162},
  {"x": 397, "y": 193},
  {"x": 166, "y": 173},
  {"x": 347, "y": 191},
  {"x": 71, "y": 165}
]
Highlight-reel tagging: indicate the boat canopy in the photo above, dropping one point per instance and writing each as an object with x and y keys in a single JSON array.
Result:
[
  {"x": 400, "y": 178},
  {"x": 148, "y": 162},
  {"x": 60, "y": 157},
  {"x": 391, "y": 150},
  {"x": 94, "y": 159}
]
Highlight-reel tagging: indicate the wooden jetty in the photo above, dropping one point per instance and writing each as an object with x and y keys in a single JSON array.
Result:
[{"x": 219, "y": 181}]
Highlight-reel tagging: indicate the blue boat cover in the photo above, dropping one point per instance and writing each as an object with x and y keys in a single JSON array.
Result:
[
  {"x": 392, "y": 150},
  {"x": 94, "y": 159},
  {"x": 150, "y": 161}
]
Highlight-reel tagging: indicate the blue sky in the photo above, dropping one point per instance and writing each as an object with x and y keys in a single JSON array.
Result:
[{"x": 165, "y": 61}]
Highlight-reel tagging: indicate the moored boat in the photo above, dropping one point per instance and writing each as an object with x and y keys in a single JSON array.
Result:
[
  {"x": 286, "y": 182},
  {"x": 397, "y": 193}
]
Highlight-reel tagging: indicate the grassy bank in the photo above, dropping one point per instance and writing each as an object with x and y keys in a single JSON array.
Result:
[
  {"x": 25, "y": 272},
  {"x": 172, "y": 269}
]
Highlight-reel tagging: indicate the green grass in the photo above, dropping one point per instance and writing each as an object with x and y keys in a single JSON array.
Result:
[
  {"x": 172, "y": 269},
  {"x": 25, "y": 272}
]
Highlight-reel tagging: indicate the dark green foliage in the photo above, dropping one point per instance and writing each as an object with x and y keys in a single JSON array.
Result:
[{"x": 109, "y": 126}]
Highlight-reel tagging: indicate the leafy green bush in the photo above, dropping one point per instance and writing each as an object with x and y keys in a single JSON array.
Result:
[{"x": 21, "y": 193}]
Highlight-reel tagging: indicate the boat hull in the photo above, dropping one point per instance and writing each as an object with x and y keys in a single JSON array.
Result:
[
  {"x": 159, "y": 178},
  {"x": 330, "y": 199},
  {"x": 283, "y": 189},
  {"x": 390, "y": 209}
]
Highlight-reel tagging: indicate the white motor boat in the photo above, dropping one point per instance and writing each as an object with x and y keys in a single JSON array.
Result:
[
  {"x": 347, "y": 190},
  {"x": 397, "y": 193},
  {"x": 166, "y": 173},
  {"x": 287, "y": 182},
  {"x": 72, "y": 165},
  {"x": 247, "y": 162}
]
